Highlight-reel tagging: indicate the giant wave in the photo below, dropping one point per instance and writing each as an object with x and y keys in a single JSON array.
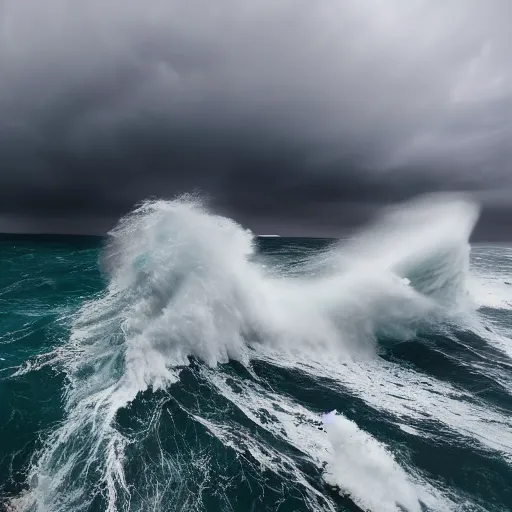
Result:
[{"x": 185, "y": 285}]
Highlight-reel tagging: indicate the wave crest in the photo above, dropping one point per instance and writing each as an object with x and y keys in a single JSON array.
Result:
[{"x": 191, "y": 287}]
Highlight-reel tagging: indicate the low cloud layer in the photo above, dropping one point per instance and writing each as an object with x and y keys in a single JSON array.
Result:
[{"x": 295, "y": 116}]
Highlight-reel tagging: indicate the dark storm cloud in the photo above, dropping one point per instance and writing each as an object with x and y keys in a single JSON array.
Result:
[{"x": 293, "y": 115}]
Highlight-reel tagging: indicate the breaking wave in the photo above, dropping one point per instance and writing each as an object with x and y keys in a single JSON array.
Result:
[{"x": 186, "y": 285}]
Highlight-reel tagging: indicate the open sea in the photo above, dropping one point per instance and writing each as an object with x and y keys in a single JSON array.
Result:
[{"x": 181, "y": 364}]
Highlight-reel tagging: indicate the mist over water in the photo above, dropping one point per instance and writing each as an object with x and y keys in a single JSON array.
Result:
[{"x": 197, "y": 375}]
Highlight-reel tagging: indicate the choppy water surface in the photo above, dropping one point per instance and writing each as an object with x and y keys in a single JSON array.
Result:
[{"x": 185, "y": 365}]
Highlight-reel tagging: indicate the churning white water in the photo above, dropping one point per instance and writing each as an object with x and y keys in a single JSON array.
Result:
[{"x": 183, "y": 282}]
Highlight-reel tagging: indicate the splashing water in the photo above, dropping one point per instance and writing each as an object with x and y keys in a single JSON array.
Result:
[
  {"x": 358, "y": 462},
  {"x": 184, "y": 283}
]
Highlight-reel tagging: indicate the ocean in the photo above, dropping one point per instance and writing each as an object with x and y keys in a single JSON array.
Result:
[{"x": 182, "y": 363}]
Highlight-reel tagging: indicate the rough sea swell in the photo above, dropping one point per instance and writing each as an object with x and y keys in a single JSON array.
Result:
[{"x": 198, "y": 376}]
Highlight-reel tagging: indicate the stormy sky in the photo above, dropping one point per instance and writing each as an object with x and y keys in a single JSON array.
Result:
[{"x": 294, "y": 116}]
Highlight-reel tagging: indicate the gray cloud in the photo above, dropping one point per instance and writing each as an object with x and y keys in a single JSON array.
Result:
[{"x": 296, "y": 115}]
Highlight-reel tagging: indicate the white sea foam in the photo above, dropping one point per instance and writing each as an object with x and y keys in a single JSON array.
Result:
[
  {"x": 353, "y": 461},
  {"x": 410, "y": 397},
  {"x": 182, "y": 283},
  {"x": 191, "y": 290},
  {"x": 359, "y": 463}
]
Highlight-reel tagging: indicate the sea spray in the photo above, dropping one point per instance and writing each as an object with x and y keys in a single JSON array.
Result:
[
  {"x": 182, "y": 284},
  {"x": 363, "y": 468}
]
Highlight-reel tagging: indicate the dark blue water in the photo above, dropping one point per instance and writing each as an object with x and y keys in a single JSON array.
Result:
[{"x": 91, "y": 422}]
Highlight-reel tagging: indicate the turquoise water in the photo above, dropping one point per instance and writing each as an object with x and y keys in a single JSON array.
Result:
[{"x": 113, "y": 402}]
